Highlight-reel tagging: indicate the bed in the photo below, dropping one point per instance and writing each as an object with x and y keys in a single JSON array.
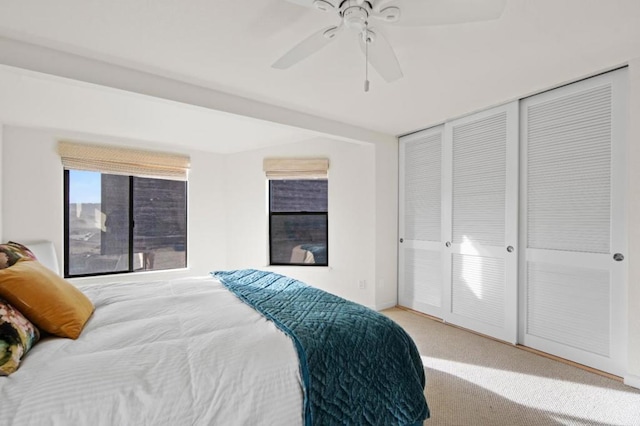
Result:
[{"x": 220, "y": 349}]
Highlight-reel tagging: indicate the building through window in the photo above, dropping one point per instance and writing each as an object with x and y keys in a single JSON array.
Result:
[
  {"x": 298, "y": 222},
  {"x": 118, "y": 223}
]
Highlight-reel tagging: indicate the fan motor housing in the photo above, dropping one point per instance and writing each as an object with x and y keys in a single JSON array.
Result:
[{"x": 355, "y": 16}]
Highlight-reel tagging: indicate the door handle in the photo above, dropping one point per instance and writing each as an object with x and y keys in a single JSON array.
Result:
[
  {"x": 618, "y": 257},
  {"x": 510, "y": 249}
]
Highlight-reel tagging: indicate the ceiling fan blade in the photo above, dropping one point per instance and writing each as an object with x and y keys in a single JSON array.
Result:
[
  {"x": 381, "y": 56},
  {"x": 307, "y": 47},
  {"x": 445, "y": 12}
]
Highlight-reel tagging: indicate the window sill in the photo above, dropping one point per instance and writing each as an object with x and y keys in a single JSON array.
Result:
[{"x": 141, "y": 276}]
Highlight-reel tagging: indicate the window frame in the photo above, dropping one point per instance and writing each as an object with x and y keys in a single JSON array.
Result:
[
  {"x": 296, "y": 213},
  {"x": 131, "y": 218}
]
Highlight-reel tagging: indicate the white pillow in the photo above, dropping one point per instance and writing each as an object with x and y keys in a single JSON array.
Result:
[{"x": 46, "y": 254}]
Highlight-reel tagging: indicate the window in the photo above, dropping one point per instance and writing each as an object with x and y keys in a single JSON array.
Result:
[
  {"x": 298, "y": 222},
  {"x": 125, "y": 210},
  {"x": 116, "y": 223}
]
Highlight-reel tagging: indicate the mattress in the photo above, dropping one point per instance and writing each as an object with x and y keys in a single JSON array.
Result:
[{"x": 179, "y": 352}]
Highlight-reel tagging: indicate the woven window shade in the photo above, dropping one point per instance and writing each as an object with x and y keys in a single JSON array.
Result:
[
  {"x": 123, "y": 161},
  {"x": 296, "y": 168}
]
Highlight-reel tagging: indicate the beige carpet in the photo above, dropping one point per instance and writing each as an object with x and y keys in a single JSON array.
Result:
[{"x": 472, "y": 380}]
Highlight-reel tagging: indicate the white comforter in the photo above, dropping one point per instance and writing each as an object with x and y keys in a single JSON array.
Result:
[{"x": 181, "y": 352}]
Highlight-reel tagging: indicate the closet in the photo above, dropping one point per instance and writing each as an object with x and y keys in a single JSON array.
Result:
[{"x": 512, "y": 222}]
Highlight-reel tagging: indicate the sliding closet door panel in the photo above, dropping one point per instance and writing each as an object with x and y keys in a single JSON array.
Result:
[
  {"x": 479, "y": 180},
  {"x": 422, "y": 192},
  {"x": 478, "y": 289},
  {"x": 573, "y": 180},
  {"x": 569, "y": 306},
  {"x": 422, "y": 279},
  {"x": 480, "y": 262},
  {"x": 420, "y": 248},
  {"x": 569, "y": 173}
]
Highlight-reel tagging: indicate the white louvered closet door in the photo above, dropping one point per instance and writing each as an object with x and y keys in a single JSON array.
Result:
[
  {"x": 480, "y": 222},
  {"x": 420, "y": 248},
  {"x": 573, "y": 271}
]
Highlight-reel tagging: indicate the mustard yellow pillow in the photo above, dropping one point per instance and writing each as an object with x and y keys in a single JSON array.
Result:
[{"x": 53, "y": 304}]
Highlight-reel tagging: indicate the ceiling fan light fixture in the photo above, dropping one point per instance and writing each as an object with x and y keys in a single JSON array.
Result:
[{"x": 355, "y": 17}]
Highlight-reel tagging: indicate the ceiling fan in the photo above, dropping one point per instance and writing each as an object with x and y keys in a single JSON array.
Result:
[{"x": 362, "y": 16}]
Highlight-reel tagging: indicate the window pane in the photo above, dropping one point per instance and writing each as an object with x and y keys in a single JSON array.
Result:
[
  {"x": 299, "y": 238},
  {"x": 98, "y": 223},
  {"x": 308, "y": 195},
  {"x": 160, "y": 234}
]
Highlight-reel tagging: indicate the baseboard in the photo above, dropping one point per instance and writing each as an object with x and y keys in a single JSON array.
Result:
[
  {"x": 631, "y": 380},
  {"x": 386, "y": 305}
]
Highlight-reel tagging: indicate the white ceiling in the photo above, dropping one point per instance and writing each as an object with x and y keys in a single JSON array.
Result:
[{"x": 229, "y": 45}]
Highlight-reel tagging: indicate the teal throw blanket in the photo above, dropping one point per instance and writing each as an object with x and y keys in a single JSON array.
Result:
[{"x": 358, "y": 367}]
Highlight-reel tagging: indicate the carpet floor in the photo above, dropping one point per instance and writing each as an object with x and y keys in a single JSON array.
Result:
[{"x": 473, "y": 380}]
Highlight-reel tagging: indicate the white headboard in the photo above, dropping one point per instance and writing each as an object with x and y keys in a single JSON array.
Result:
[{"x": 46, "y": 254}]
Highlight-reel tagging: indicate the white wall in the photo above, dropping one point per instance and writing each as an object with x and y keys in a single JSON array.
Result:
[
  {"x": 633, "y": 158},
  {"x": 32, "y": 196},
  {"x": 31, "y": 187},
  {"x": 1, "y": 175},
  {"x": 386, "y": 229},
  {"x": 227, "y": 204},
  {"x": 352, "y": 216}
]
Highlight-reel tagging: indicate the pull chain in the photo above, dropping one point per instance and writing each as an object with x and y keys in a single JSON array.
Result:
[{"x": 366, "y": 57}]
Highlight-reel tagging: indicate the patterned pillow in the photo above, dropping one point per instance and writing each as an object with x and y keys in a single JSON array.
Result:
[
  {"x": 11, "y": 252},
  {"x": 50, "y": 302},
  {"x": 17, "y": 336}
]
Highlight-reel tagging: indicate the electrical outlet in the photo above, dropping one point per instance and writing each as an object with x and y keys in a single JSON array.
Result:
[{"x": 362, "y": 284}]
